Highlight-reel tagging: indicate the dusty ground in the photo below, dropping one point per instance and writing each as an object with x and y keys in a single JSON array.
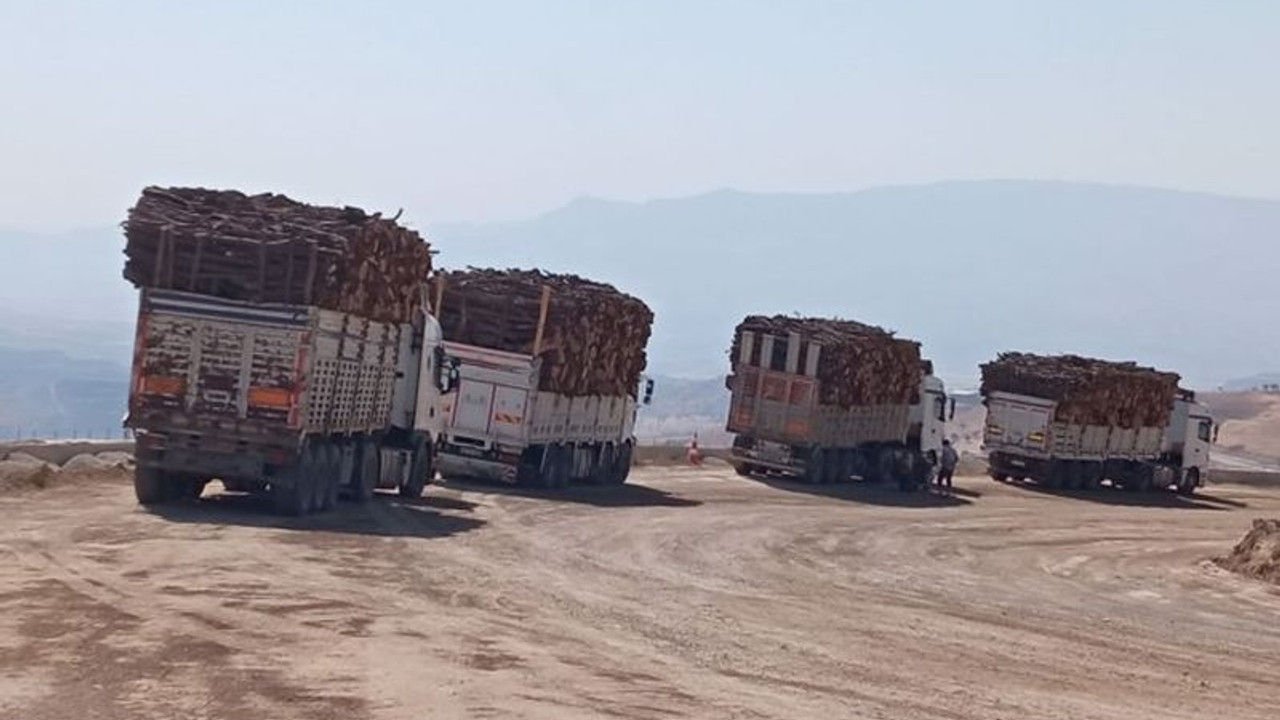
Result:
[{"x": 690, "y": 594}]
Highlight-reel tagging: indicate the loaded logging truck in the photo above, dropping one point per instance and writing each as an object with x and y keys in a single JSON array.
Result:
[
  {"x": 1071, "y": 423},
  {"x": 297, "y": 401},
  {"x": 501, "y": 425},
  {"x": 280, "y": 394},
  {"x": 791, "y": 411},
  {"x": 550, "y": 377}
]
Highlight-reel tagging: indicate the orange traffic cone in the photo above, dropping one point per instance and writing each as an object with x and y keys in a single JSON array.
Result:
[{"x": 695, "y": 457}]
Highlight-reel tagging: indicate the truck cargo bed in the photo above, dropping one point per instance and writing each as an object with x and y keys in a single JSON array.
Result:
[
  {"x": 1023, "y": 424},
  {"x": 783, "y": 407},
  {"x": 252, "y": 370},
  {"x": 498, "y": 402}
]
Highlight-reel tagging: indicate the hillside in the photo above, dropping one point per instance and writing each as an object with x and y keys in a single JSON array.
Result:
[
  {"x": 968, "y": 268},
  {"x": 1249, "y": 421}
]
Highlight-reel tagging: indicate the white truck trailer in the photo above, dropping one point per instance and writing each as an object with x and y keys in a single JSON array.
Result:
[
  {"x": 298, "y": 401},
  {"x": 1025, "y": 442},
  {"x": 500, "y": 426},
  {"x": 781, "y": 426}
]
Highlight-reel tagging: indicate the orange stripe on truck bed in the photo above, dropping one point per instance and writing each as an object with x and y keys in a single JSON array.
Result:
[{"x": 271, "y": 397}]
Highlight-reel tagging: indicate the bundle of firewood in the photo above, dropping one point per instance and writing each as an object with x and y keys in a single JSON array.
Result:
[
  {"x": 592, "y": 338},
  {"x": 271, "y": 249},
  {"x": 857, "y": 364},
  {"x": 1088, "y": 391}
]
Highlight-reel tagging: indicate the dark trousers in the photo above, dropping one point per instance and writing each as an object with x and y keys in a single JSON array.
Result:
[{"x": 944, "y": 476}]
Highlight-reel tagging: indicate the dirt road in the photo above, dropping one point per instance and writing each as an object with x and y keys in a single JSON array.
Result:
[{"x": 692, "y": 593}]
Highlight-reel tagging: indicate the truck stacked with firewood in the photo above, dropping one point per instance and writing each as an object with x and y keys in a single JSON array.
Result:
[
  {"x": 827, "y": 400},
  {"x": 550, "y": 377},
  {"x": 1073, "y": 422},
  {"x": 280, "y": 348}
]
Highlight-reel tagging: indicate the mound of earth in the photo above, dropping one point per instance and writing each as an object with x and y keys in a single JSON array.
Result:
[
  {"x": 25, "y": 472},
  {"x": 1258, "y": 554}
]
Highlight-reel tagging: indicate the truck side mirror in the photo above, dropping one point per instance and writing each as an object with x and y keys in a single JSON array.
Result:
[
  {"x": 648, "y": 391},
  {"x": 952, "y": 415},
  {"x": 446, "y": 372},
  {"x": 1216, "y": 428}
]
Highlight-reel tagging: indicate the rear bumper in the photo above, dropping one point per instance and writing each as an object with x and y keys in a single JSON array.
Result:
[
  {"x": 237, "y": 466},
  {"x": 1013, "y": 465},
  {"x": 211, "y": 456}
]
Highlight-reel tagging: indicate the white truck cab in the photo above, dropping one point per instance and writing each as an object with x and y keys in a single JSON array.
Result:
[
  {"x": 1189, "y": 436},
  {"x": 929, "y": 417}
]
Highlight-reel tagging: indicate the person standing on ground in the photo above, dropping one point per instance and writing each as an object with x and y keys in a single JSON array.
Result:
[{"x": 947, "y": 465}]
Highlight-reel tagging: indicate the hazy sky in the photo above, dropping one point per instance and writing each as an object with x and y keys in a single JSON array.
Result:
[{"x": 495, "y": 110}]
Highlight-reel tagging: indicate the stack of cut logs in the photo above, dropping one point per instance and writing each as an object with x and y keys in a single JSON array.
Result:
[
  {"x": 857, "y": 364},
  {"x": 270, "y": 249},
  {"x": 592, "y": 338},
  {"x": 1088, "y": 391}
]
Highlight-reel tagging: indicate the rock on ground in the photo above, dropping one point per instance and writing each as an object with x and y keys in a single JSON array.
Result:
[{"x": 1258, "y": 554}]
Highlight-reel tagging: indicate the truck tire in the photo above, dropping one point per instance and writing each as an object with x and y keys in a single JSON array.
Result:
[
  {"x": 293, "y": 490},
  {"x": 555, "y": 467},
  {"x": 332, "y": 478},
  {"x": 422, "y": 469},
  {"x": 1091, "y": 476},
  {"x": 815, "y": 470},
  {"x": 368, "y": 470},
  {"x": 848, "y": 463},
  {"x": 291, "y": 495},
  {"x": 1189, "y": 482},
  {"x": 1072, "y": 476},
  {"x": 623, "y": 464},
  {"x": 883, "y": 465},
  {"x": 835, "y": 464},
  {"x": 317, "y": 469},
  {"x": 149, "y": 485}
]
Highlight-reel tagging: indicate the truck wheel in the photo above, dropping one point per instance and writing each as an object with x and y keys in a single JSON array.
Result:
[
  {"x": 1190, "y": 481},
  {"x": 564, "y": 470},
  {"x": 834, "y": 464},
  {"x": 555, "y": 467},
  {"x": 292, "y": 495},
  {"x": 884, "y": 466},
  {"x": 317, "y": 469},
  {"x": 1091, "y": 476},
  {"x": 332, "y": 478},
  {"x": 368, "y": 469},
  {"x": 421, "y": 470},
  {"x": 149, "y": 485},
  {"x": 999, "y": 477},
  {"x": 815, "y": 471},
  {"x": 624, "y": 464},
  {"x": 604, "y": 467},
  {"x": 1071, "y": 476}
]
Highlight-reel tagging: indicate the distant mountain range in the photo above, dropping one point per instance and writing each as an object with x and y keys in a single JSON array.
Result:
[
  {"x": 49, "y": 394},
  {"x": 1180, "y": 280},
  {"x": 1183, "y": 281}
]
